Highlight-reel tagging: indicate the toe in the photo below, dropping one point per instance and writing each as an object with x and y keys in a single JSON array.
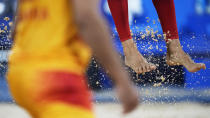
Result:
[
  {"x": 203, "y": 66},
  {"x": 144, "y": 69},
  {"x": 152, "y": 67},
  {"x": 140, "y": 70},
  {"x": 148, "y": 68},
  {"x": 197, "y": 66},
  {"x": 136, "y": 69}
]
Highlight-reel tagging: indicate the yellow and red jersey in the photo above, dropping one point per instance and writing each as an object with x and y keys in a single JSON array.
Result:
[
  {"x": 48, "y": 61},
  {"x": 46, "y": 33}
]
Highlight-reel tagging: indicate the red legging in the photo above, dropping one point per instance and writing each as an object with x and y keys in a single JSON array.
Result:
[
  {"x": 119, "y": 10},
  {"x": 165, "y": 10}
]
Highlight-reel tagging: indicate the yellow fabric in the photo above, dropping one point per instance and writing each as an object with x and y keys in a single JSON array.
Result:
[
  {"x": 46, "y": 39},
  {"x": 64, "y": 111},
  {"x": 25, "y": 86},
  {"x": 46, "y": 33}
]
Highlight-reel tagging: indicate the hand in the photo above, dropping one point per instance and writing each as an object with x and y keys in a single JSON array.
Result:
[{"x": 127, "y": 96}]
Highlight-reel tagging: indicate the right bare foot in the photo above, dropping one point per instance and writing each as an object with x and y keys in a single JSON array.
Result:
[
  {"x": 134, "y": 59},
  {"x": 176, "y": 56}
]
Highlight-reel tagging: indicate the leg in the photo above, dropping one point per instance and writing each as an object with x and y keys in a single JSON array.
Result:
[
  {"x": 175, "y": 53},
  {"x": 119, "y": 10}
]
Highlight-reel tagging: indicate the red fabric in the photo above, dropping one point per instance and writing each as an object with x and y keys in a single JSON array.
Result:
[
  {"x": 65, "y": 87},
  {"x": 164, "y": 8},
  {"x": 119, "y": 10},
  {"x": 167, "y": 16}
]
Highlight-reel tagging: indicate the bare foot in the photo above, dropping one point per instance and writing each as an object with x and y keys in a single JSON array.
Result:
[
  {"x": 134, "y": 59},
  {"x": 176, "y": 56}
]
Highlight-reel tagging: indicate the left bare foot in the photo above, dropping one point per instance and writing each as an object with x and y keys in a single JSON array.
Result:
[
  {"x": 134, "y": 59},
  {"x": 176, "y": 56}
]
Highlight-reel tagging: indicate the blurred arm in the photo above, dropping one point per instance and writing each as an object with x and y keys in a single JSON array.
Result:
[{"x": 95, "y": 32}]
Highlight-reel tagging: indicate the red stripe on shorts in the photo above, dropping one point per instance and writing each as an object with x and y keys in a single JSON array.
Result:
[{"x": 65, "y": 87}]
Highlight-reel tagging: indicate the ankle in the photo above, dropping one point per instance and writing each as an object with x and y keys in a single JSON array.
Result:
[
  {"x": 128, "y": 43},
  {"x": 129, "y": 46},
  {"x": 174, "y": 45}
]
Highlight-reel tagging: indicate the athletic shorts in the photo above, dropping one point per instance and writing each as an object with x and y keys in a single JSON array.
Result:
[{"x": 50, "y": 93}]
